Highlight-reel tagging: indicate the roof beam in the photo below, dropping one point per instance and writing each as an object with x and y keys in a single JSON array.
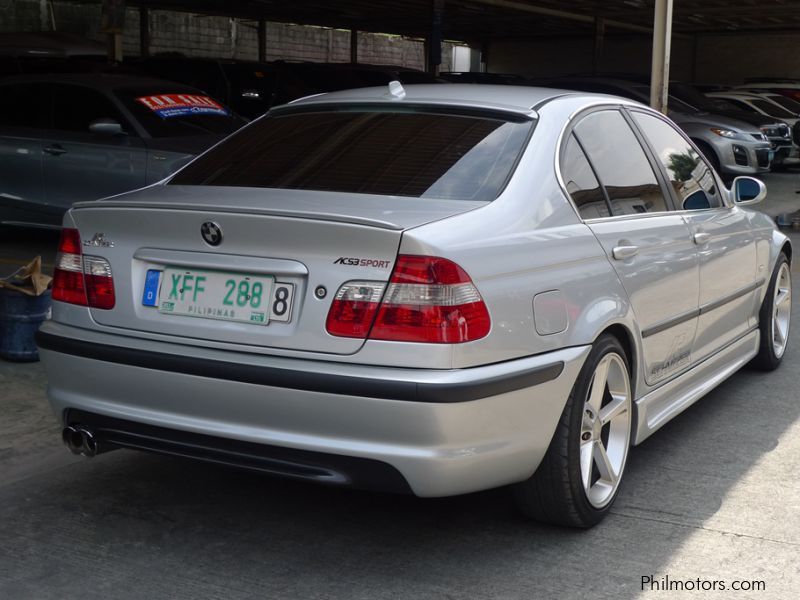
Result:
[{"x": 561, "y": 14}]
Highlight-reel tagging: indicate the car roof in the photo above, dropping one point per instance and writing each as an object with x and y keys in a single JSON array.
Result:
[
  {"x": 103, "y": 81},
  {"x": 520, "y": 99},
  {"x": 737, "y": 95}
]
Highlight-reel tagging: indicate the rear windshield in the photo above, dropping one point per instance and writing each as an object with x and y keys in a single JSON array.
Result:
[
  {"x": 178, "y": 112},
  {"x": 413, "y": 153}
]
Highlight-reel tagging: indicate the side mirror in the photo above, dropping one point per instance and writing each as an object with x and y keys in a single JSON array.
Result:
[
  {"x": 748, "y": 190},
  {"x": 105, "y": 127}
]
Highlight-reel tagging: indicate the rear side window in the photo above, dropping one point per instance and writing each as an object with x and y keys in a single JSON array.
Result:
[
  {"x": 581, "y": 182},
  {"x": 620, "y": 164},
  {"x": 402, "y": 153},
  {"x": 689, "y": 175}
]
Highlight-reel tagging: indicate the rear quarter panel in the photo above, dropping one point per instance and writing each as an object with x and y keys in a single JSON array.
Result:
[{"x": 526, "y": 242}]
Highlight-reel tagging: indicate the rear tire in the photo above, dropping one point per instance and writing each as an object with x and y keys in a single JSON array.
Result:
[
  {"x": 578, "y": 479},
  {"x": 774, "y": 318}
]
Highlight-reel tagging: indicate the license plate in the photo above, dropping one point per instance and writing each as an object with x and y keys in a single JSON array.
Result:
[{"x": 238, "y": 297}]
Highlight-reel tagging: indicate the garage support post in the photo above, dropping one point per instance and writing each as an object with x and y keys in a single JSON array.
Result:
[
  {"x": 262, "y": 40},
  {"x": 434, "y": 41},
  {"x": 662, "y": 35},
  {"x": 354, "y": 46},
  {"x": 144, "y": 32},
  {"x": 112, "y": 22},
  {"x": 599, "y": 38}
]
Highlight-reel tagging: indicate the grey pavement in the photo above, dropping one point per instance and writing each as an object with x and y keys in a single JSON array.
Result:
[{"x": 714, "y": 495}]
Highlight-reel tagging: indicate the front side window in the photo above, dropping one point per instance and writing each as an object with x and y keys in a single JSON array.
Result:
[
  {"x": 24, "y": 105},
  {"x": 791, "y": 105},
  {"x": 75, "y": 107},
  {"x": 689, "y": 175},
  {"x": 406, "y": 152},
  {"x": 768, "y": 108},
  {"x": 620, "y": 164}
]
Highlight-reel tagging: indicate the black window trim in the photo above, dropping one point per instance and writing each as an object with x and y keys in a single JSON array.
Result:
[
  {"x": 660, "y": 179},
  {"x": 603, "y": 191}
]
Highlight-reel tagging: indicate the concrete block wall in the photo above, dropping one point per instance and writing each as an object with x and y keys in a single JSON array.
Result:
[
  {"x": 223, "y": 37},
  {"x": 21, "y": 15}
]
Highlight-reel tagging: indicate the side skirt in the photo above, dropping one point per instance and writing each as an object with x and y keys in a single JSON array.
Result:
[{"x": 659, "y": 406}]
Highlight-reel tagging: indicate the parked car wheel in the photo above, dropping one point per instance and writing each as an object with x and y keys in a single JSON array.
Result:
[
  {"x": 774, "y": 318},
  {"x": 580, "y": 475},
  {"x": 710, "y": 155}
]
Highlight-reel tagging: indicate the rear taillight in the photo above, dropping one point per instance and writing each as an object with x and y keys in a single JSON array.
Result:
[
  {"x": 354, "y": 308},
  {"x": 428, "y": 299},
  {"x": 78, "y": 279}
]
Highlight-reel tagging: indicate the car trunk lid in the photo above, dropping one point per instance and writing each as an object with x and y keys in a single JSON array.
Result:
[{"x": 306, "y": 242}]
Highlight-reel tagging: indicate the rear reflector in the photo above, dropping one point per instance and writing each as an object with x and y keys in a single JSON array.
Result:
[
  {"x": 428, "y": 300},
  {"x": 81, "y": 280}
]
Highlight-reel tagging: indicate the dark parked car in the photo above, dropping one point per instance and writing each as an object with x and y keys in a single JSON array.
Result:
[
  {"x": 49, "y": 52},
  {"x": 252, "y": 88},
  {"x": 65, "y": 138},
  {"x": 488, "y": 78}
]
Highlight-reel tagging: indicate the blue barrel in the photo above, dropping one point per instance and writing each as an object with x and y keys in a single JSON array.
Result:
[{"x": 20, "y": 318}]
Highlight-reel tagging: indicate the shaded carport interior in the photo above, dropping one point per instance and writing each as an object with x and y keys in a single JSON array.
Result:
[{"x": 584, "y": 27}]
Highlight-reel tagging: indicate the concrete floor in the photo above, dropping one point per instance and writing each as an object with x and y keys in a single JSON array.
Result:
[{"x": 714, "y": 495}]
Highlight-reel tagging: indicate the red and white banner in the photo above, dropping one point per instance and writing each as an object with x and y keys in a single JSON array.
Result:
[{"x": 176, "y": 105}]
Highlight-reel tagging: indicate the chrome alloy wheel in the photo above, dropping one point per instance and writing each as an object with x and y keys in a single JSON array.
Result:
[
  {"x": 781, "y": 310},
  {"x": 605, "y": 430}
]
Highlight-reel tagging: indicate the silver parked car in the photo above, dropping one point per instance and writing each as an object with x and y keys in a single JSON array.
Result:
[
  {"x": 434, "y": 290},
  {"x": 71, "y": 137}
]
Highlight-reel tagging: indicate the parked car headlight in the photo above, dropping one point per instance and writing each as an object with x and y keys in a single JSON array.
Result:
[{"x": 728, "y": 133}]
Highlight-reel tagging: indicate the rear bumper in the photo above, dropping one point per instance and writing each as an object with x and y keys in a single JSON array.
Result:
[{"x": 444, "y": 432}]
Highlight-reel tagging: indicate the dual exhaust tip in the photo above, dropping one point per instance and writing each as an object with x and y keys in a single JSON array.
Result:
[{"x": 79, "y": 440}]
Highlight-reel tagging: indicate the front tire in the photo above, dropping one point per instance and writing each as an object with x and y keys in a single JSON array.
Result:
[
  {"x": 774, "y": 317},
  {"x": 579, "y": 477}
]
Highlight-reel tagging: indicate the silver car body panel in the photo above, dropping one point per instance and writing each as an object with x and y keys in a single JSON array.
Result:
[{"x": 529, "y": 241}]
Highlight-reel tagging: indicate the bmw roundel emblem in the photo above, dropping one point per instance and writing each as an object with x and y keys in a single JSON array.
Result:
[{"x": 211, "y": 232}]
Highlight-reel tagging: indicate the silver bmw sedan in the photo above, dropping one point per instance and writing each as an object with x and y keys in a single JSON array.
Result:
[{"x": 433, "y": 290}]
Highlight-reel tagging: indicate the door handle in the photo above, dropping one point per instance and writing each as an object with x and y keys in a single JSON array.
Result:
[
  {"x": 55, "y": 149},
  {"x": 701, "y": 238},
  {"x": 623, "y": 252}
]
